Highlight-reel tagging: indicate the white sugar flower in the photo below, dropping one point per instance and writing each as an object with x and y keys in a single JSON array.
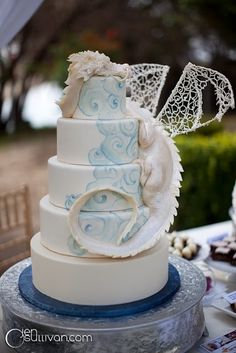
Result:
[
  {"x": 88, "y": 63},
  {"x": 83, "y": 66}
]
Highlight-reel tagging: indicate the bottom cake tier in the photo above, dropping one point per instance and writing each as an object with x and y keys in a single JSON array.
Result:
[
  {"x": 172, "y": 327},
  {"x": 99, "y": 281}
]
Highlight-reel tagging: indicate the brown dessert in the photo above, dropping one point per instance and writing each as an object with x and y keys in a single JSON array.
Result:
[
  {"x": 224, "y": 250},
  {"x": 218, "y": 244},
  {"x": 222, "y": 254},
  {"x": 233, "y": 307},
  {"x": 233, "y": 261}
]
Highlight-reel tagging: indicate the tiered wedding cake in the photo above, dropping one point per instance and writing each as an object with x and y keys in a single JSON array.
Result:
[
  {"x": 98, "y": 150},
  {"x": 113, "y": 184}
]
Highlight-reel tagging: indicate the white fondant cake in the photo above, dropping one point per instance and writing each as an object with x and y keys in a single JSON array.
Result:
[
  {"x": 97, "y": 187},
  {"x": 113, "y": 186},
  {"x": 112, "y": 142},
  {"x": 99, "y": 281},
  {"x": 68, "y": 181}
]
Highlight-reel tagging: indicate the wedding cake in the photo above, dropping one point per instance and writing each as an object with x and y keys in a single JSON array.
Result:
[{"x": 112, "y": 186}]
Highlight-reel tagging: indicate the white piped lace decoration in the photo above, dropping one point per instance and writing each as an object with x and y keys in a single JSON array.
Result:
[
  {"x": 182, "y": 111},
  {"x": 158, "y": 155},
  {"x": 146, "y": 82}
]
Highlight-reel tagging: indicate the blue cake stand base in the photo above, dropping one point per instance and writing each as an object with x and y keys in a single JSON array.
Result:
[
  {"x": 173, "y": 327},
  {"x": 33, "y": 296}
]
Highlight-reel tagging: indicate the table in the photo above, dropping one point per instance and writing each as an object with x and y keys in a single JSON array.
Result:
[{"x": 217, "y": 322}]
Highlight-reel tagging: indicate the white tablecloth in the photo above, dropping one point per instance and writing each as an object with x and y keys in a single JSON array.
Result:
[{"x": 217, "y": 322}]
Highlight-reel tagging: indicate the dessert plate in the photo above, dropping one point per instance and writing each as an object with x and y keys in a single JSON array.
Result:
[
  {"x": 204, "y": 248},
  {"x": 222, "y": 305},
  {"x": 220, "y": 265}
]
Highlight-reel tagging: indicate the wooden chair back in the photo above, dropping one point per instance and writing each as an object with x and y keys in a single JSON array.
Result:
[{"x": 15, "y": 227}]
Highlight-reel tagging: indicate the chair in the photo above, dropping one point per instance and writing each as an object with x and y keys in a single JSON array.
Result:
[{"x": 15, "y": 227}]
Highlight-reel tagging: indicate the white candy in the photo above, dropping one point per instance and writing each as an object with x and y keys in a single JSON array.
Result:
[
  {"x": 193, "y": 247},
  {"x": 177, "y": 253},
  {"x": 178, "y": 246},
  {"x": 179, "y": 240},
  {"x": 187, "y": 253}
]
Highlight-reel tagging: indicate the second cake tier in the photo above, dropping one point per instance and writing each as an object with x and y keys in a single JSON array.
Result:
[
  {"x": 96, "y": 142},
  {"x": 68, "y": 181}
]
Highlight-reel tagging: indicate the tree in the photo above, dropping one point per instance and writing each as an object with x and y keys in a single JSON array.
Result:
[
  {"x": 21, "y": 62},
  {"x": 165, "y": 31}
]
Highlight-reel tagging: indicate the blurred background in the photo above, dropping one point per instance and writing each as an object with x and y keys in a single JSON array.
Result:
[{"x": 33, "y": 69}]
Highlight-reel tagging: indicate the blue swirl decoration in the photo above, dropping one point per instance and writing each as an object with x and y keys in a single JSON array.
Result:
[
  {"x": 108, "y": 226},
  {"x": 70, "y": 199},
  {"x": 126, "y": 180},
  {"x": 102, "y": 98},
  {"x": 119, "y": 146},
  {"x": 74, "y": 247}
]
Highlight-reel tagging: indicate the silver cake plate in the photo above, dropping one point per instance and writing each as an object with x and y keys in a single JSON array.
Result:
[{"x": 174, "y": 327}]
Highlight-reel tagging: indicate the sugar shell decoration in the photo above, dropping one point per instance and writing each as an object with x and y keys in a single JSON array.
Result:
[
  {"x": 83, "y": 66},
  {"x": 158, "y": 155}
]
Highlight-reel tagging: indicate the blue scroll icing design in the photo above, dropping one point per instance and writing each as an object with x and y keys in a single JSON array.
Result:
[
  {"x": 119, "y": 146},
  {"x": 107, "y": 227},
  {"x": 103, "y": 98},
  {"x": 119, "y": 178},
  {"x": 70, "y": 199},
  {"x": 126, "y": 180},
  {"x": 74, "y": 247}
]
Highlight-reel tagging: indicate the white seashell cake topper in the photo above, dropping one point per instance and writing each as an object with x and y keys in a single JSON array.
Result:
[
  {"x": 83, "y": 66},
  {"x": 158, "y": 156}
]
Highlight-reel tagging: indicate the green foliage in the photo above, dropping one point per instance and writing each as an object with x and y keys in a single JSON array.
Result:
[
  {"x": 209, "y": 175},
  {"x": 210, "y": 129}
]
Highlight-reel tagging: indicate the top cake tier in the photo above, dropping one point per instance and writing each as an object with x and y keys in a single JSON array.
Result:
[
  {"x": 95, "y": 88},
  {"x": 101, "y": 98}
]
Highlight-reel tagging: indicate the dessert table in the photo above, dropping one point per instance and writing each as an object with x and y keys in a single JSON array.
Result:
[{"x": 217, "y": 322}]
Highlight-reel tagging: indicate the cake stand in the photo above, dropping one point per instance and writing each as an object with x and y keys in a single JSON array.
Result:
[{"x": 173, "y": 327}]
